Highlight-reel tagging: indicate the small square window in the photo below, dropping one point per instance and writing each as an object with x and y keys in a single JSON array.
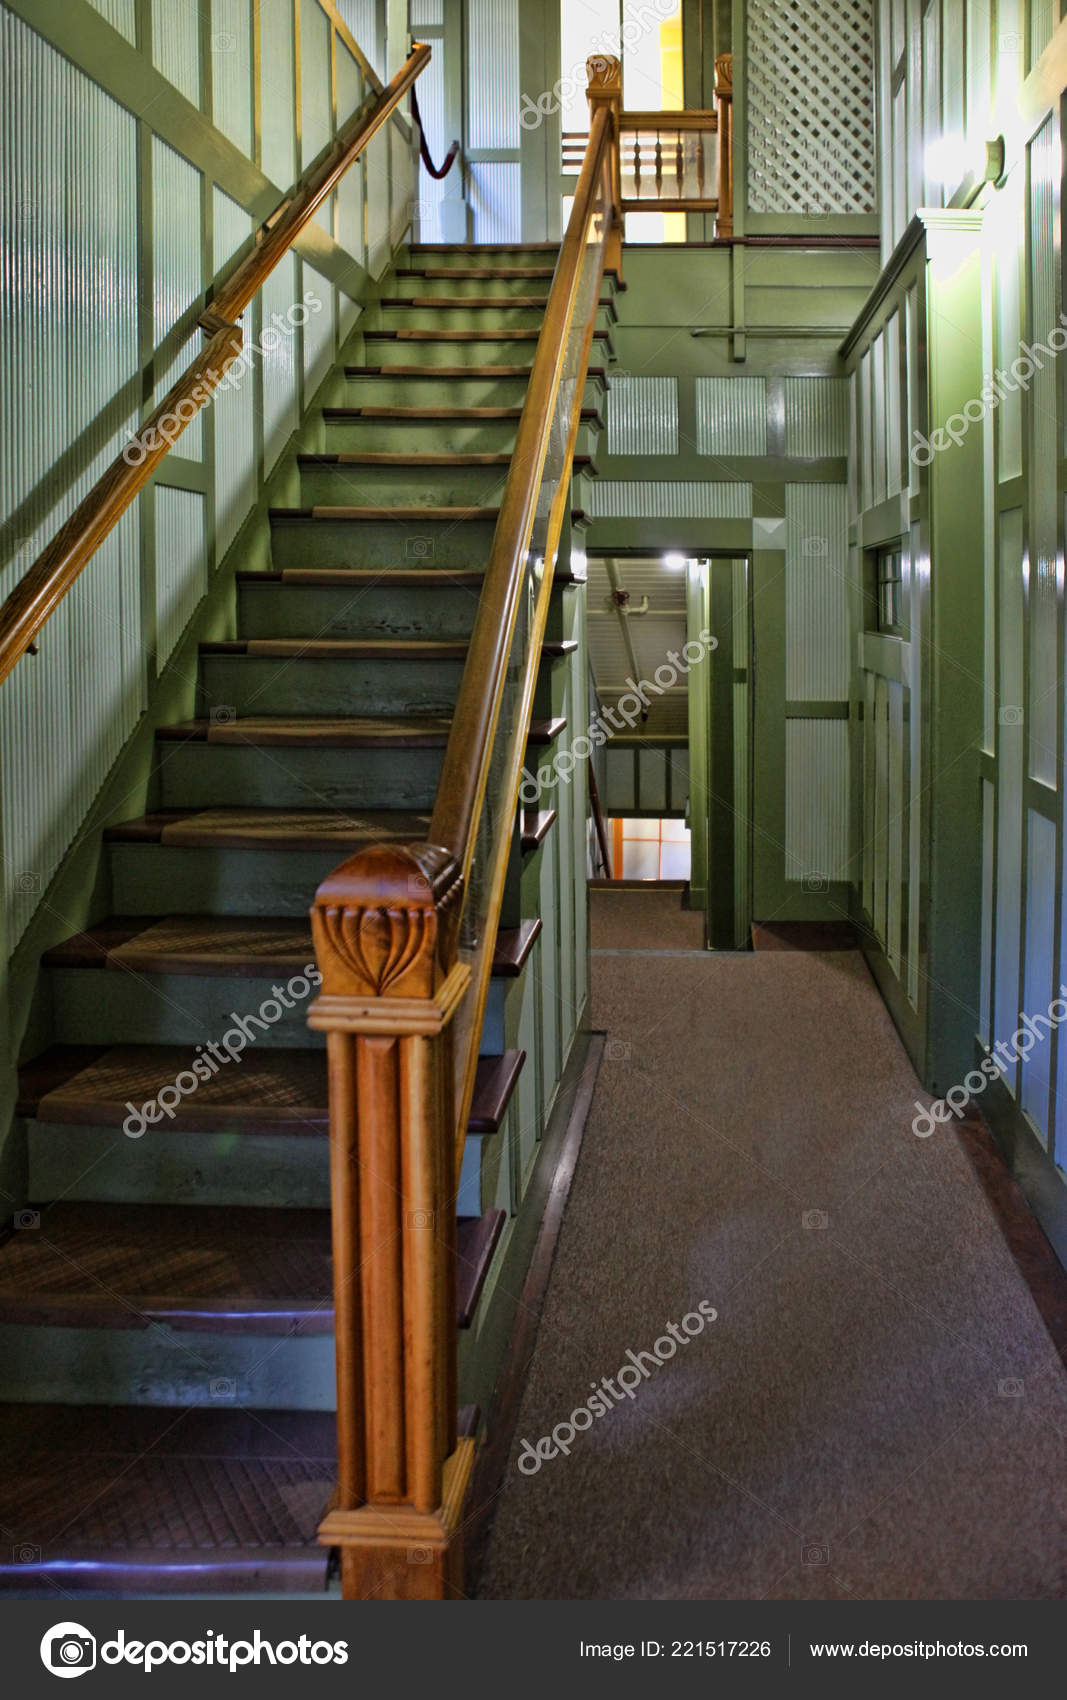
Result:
[{"x": 892, "y": 613}]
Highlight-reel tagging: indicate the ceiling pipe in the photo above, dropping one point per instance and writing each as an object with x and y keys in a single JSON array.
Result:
[{"x": 620, "y": 597}]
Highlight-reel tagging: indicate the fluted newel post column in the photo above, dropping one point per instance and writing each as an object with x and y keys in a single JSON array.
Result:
[
  {"x": 724, "y": 96},
  {"x": 604, "y": 88},
  {"x": 384, "y": 926}
]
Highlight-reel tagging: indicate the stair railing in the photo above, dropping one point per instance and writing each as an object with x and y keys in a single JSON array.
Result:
[
  {"x": 405, "y": 936},
  {"x": 38, "y": 594}
]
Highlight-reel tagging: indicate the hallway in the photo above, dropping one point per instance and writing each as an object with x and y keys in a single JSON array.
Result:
[{"x": 878, "y": 1411}]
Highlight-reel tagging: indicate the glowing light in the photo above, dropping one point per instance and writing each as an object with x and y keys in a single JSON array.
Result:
[{"x": 674, "y": 563}]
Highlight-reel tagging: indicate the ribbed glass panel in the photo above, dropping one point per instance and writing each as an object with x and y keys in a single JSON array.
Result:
[
  {"x": 1010, "y": 747},
  {"x": 642, "y": 416},
  {"x": 496, "y": 198},
  {"x": 231, "y": 70},
  {"x": 1044, "y": 586},
  {"x": 232, "y": 227},
  {"x": 629, "y": 499},
  {"x": 377, "y": 169},
  {"x": 427, "y": 12},
  {"x": 493, "y": 74},
  {"x": 176, "y": 44},
  {"x": 1038, "y": 987},
  {"x": 190, "y": 444},
  {"x": 318, "y": 331},
  {"x": 817, "y": 666},
  {"x": 403, "y": 177},
  {"x": 431, "y": 190},
  {"x": 1043, "y": 18},
  {"x": 68, "y": 348},
  {"x": 315, "y": 96},
  {"x": 365, "y": 20},
  {"x": 731, "y": 416},
  {"x": 280, "y": 395},
  {"x": 816, "y": 417},
  {"x": 235, "y": 452},
  {"x": 816, "y": 799},
  {"x": 120, "y": 14},
  {"x": 181, "y": 565},
  {"x": 350, "y": 84},
  {"x": 277, "y": 92},
  {"x": 175, "y": 237}
]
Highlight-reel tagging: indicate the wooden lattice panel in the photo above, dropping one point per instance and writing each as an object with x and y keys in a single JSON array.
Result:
[{"x": 810, "y": 102}]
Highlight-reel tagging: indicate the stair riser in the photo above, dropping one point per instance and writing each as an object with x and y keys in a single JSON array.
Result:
[
  {"x": 136, "y": 1366},
  {"x": 439, "y": 392},
  {"x": 202, "y": 776},
  {"x": 484, "y": 319},
  {"x": 502, "y": 288},
  {"x": 483, "y": 351},
  {"x": 100, "y": 1164},
  {"x": 277, "y": 611},
  {"x": 113, "y": 1007},
  {"x": 446, "y": 436},
  {"x": 150, "y": 879},
  {"x": 402, "y": 486},
  {"x": 399, "y": 687},
  {"x": 424, "y": 254},
  {"x": 462, "y": 544}
]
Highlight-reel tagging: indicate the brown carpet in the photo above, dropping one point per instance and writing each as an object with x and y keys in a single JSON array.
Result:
[
  {"x": 877, "y": 1413},
  {"x": 643, "y": 920}
]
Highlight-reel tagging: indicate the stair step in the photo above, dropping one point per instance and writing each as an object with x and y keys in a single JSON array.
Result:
[
  {"x": 513, "y": 947},
  {"x": 335, "y": 831},
  {"x": 270, "y": 1091},
  {"x": 475, "y": 272},
  {"x": 131, "y": 1499},
  {"x": 536, "y": 826},
  {"x": 436, "y": 415},
  {"x": 333, "y": 733},
  {"x": 382, "y": 537},
  {"x": 403, "y": 478},
  {"x": 481, "y": 304},
  {"x": 233, "y": 946},
  {"x": 205, "y": 1270},
  {"x": 340, "y": 649}
]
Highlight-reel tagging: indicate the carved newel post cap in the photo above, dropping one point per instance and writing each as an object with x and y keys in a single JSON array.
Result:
[{"x": 384, "y": 922}]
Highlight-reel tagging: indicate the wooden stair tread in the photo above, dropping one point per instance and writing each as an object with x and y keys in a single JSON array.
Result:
[
  {"x": 331, "y": 732},
  {"x": 205, "y": 1268},
  {"x": 536, "y": 826},
  {"x": 232, "y": 945},
  {"x": 464, "y": 373},
  {"x": 353, "y": 457},
  {"x": 415, "y": 578},
  {"x": 435, "y": 415},
  {"x": 280, "y": 1090},
  {"x": 271, "y": 829},
  {"x": 559, "y": 647},
  {"x": 125, "y": 1499},
  {"x": 477, "y": 1238},
  {"x": 513, "y": 947},
  {"x": 457, "y": 302},
  {"x": 410, "y": 333},
  {"x": 341, "y": 649},
  {"x": 323, "y": 515}
]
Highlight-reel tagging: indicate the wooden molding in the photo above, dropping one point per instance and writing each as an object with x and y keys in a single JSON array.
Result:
[{"x": 384, "y": 923}]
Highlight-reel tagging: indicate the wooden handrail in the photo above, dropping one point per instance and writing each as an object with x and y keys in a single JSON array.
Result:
[{"x": 39, "y": 593}]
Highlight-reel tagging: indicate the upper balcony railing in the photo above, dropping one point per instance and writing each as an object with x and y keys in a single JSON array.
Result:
[{"x": 674, "y": 161}]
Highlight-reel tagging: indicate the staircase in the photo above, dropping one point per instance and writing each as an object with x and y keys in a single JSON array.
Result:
[{"x": 166, "y": 1351}]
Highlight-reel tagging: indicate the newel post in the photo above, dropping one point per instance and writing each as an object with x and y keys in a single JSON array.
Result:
[
  {"x": 604, "y": 88},
  {"x": 724, "y": 96},
  {"x": 385, "y": 926}
]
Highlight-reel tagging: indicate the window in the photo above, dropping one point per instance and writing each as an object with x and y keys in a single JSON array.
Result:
[
  {"x": 650, "y": 850},
  {"x": 892, "y": 612}
]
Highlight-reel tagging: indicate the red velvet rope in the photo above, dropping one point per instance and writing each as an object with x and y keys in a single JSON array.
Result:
[{"x": 436, "y": 172}]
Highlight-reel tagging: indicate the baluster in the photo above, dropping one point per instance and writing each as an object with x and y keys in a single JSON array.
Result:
[
  {"x": 680, "y": 166},
  {"x": 659, "y": 166},
  {"x": 637, "y": 165},
  {"x": 702, "y": 138}
]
